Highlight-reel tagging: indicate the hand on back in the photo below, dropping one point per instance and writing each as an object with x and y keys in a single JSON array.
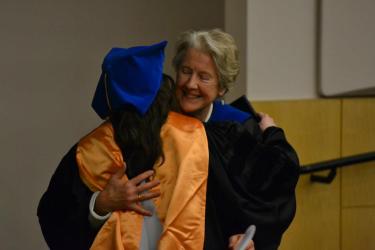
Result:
[
  {"x": 266, "y": 121},
  {"x": 123, "y": 194}
]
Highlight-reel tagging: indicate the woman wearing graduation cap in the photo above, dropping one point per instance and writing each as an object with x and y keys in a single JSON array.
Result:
[{"x": 165, "y": 158}]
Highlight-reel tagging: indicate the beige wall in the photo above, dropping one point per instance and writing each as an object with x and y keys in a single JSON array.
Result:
[
  {"x": 51, "y": 53},
  {"x": 281, "y": 49},
  {"x": 236, "y": 25},
  {"x": 347, "y": 42},
  {"x": 282, "y": 56},
  {"x": 277, "y": 48}
]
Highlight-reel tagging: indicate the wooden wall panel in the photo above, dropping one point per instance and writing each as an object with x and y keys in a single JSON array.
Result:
[
  {"x": 358, "y": 185},
  {"x": 358, "y": 125},
  {"x": 358, "y": 136},
  {"x": 313, "y": 128},
  {"x": 309, "y": 126},
  {"x": 358, "y": 182},
  {"x": 358, "y": 228}
]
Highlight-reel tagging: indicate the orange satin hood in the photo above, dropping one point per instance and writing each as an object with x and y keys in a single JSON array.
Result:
[{"x": 183, "y": 181}]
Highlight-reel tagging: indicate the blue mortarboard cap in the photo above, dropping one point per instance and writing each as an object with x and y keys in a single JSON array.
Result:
[{"x": 130, "y": 76}]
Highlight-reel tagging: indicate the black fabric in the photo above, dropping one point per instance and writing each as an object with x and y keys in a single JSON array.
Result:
[
  {"x": 63, "y": 209},
  {"x": 243, "y": 104},
  {"x": 251, "y": 180}
]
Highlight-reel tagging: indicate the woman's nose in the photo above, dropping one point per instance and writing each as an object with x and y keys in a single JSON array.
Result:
[{"x": 192, "y": 82}]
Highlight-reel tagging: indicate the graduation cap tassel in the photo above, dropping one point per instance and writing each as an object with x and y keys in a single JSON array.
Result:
[{"x": 106, "y": 92}]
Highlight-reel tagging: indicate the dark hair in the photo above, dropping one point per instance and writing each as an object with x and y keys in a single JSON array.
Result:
[{"x": 138, "y": 136}]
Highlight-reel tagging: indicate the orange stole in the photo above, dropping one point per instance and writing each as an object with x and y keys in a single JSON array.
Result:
[{"x": 183, "y": 181}]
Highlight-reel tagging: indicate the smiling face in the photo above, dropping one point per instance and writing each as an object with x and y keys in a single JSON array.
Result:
[{"x": 197, "y": 83}]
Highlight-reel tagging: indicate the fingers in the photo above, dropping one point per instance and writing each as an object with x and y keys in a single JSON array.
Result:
[
  {"x": 120, "y": 173},
  {"x": 139, "y": 209},
  {"x": 264, "y": 115},
  {"x": 148, "y": 196},
  {"x": 148, "y": 185},
  {"x": 144, "y": 176},
  {"x": 265, "y": 121},
  {"x": 251, "y": 246},
  {"x": 136, "y": 207},
  {"x": 126, "y": 194},
  {"x": 233, "y": 240},
  {"x": 144, "y": 193}
]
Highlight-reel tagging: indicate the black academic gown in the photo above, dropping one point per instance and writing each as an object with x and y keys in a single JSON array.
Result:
[
  {"x": 252, "y": 179},
  {"x": 64, "y": 208}
]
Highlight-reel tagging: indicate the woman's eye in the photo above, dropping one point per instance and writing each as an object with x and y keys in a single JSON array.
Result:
[
  {"x": 205, "y": 77},
  {"x": 185, "y": 70}
]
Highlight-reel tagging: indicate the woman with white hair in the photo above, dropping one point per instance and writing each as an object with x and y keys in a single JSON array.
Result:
[{"x": 206, "y": 65}]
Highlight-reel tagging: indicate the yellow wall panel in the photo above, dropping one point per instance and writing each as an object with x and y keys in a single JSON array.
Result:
[
  {"x": 358, "y": 136},
  {"x": 358, "y": 228},
  {"x": 317, "y": 222},
  {"x": 358, "y": 185},
  {"x": 358, "y": 126},
  {"x": 340, "y": 215},
  {"x": 313, "y": 128}
]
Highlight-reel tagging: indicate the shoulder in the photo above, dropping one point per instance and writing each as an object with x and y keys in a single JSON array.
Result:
[
  {"x": 98, "y": 146},
  {"x": 104, "y": 131},
  {"x": 226, "y": 112},
  {"x": 183, "y": 122}
]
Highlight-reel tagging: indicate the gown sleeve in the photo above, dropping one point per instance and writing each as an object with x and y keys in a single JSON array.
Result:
[
  {"x": 252, "y": 180},
  {"x": 63, "y": 209}
]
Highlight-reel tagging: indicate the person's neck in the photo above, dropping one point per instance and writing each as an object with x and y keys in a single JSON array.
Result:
[{"x": 203, "y": 115}]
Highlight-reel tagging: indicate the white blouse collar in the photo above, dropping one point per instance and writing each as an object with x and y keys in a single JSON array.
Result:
[{"x": 209, "y": 113}]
